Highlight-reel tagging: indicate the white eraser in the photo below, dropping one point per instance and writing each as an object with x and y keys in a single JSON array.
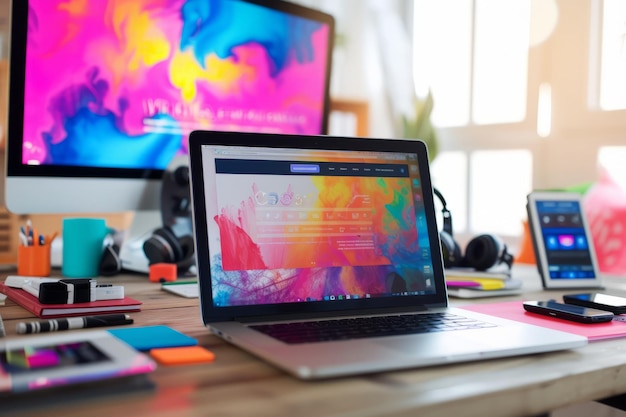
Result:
[{"x": 115, "y": 292}]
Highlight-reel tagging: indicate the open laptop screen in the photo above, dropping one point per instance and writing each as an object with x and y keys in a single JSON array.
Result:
[{"x": 288, "y": 225}]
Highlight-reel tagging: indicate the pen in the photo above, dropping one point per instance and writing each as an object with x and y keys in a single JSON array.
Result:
[
  {"x": 73, "y": 323},
  {"x": 29, "y": 224},
  {"x": 23, "y": 238}
]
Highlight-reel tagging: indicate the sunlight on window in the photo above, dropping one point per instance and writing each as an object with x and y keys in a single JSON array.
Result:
[
  {"x": 499, "y": 184},
  {"x": 442, "y": 57},
  {"x": 544, "y": 110},
  {"x": 501, "y": 60},
  {"x": 449, "y": 172},
  {"x": 495, "y": 88},
  {"x": 613, "y": 62}
]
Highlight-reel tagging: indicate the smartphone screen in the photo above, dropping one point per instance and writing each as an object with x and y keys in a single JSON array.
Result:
[
  {"x": 566, "y": 245},
  {"x": 567, "y": 308},
  {"x": 601, "y": 299},
  {"x": 607, "y": 302}
]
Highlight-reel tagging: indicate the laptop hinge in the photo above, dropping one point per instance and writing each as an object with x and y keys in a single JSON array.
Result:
[{"x": 331, "y": 314}]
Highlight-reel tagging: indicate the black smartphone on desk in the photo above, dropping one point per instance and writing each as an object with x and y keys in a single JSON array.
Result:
[
  {"x": 612, "y": 303},
  {"x": 570, "y": 312}
]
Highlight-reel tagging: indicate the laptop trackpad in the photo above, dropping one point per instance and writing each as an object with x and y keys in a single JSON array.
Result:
[{"x": 438, "y": 344}]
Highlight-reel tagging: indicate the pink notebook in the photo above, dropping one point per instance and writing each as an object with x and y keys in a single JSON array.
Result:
[{"x": 513, "y": 310}]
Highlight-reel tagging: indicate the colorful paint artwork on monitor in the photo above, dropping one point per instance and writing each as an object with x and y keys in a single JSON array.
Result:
[
  {"x": 120, "y": 84},
  {"x": 311, "y": 230}
]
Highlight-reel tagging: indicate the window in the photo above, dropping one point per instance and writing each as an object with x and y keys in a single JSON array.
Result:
[
  {"x": 508, "y": 207},
  {"x": 477, "y": 66},
  {"x": 522, "y": 90}
]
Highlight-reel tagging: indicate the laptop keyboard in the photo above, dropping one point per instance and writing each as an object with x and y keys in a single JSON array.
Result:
[{"x": 361, "y": 327}]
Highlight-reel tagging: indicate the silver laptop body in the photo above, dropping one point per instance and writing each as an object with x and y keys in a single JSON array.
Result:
[{"x": 296, "y": 228}]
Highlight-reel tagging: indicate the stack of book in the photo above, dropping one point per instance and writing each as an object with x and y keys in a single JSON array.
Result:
[
  {"x": 32, "y": 304},
  {"x": 469, "y": 283}
]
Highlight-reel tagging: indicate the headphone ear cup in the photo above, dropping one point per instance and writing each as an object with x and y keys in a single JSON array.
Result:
[
  {"x": 188, "y": 259},
  {"x": 110, "y": 263},
  {"x": 483, "y": 252},
  {"x": 450, "y": 250},
  {"x": 163, "y": 246}
]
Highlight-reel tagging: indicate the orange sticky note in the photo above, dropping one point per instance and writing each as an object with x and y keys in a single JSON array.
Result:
[{"x": 182, "y": 355}]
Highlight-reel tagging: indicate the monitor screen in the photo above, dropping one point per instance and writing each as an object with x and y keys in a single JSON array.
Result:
[{"x": 103, "y": 93}]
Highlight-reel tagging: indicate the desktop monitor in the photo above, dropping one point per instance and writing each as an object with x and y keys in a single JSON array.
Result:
[{"x": 103, "y": 93}]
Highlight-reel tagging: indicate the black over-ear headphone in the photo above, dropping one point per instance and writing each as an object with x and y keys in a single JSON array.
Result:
[
  {"x": 482, "y": 252},
  {"x": 173, "y": 243},
  {"x": 164, "y": 246}
]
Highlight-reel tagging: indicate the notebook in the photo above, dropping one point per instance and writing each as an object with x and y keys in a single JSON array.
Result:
[
  {"x": 321, "y": 255},
  {"x": 32, "y": 304}
]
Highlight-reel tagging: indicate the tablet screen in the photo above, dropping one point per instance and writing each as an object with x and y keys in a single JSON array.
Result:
[
  {"x": 566, "y": 244},
  {"x": 29, "y": 359}
]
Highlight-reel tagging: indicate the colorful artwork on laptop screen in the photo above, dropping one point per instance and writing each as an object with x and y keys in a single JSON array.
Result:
[
  {"x": 106, "y": 75},
  {"x": 309, "y": 238}
]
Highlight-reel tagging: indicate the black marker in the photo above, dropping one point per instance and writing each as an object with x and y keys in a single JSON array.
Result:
[{"x": 73, "y": 323}]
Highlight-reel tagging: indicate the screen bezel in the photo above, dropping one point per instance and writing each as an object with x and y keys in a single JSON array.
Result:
[
  {"x": 144, "y": 184},
  {"x": 210, "y": 313},
  {"x": 539, "y": 244}
]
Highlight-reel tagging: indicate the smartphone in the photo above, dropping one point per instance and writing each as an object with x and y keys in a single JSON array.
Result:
[
  {"x": 612, "y": 303},
  {"x": 570, "y": 312},
  {"x": 563, "y": 245}
]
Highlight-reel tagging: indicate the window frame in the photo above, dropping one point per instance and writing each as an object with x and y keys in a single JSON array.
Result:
[{"x": 579, "y": 126}]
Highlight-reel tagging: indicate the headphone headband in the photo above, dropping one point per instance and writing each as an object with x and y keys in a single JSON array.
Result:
[{"x": 447, "y": 216}]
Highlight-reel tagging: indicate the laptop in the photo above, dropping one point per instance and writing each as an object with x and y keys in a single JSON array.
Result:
[{"x": 321, "y": 256}]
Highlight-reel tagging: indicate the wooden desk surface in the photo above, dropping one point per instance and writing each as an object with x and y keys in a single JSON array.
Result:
[{"x": 238, "y": 384}]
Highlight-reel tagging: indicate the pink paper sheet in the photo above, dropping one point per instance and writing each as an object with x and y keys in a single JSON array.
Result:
[{"x": 513, "y": 310}]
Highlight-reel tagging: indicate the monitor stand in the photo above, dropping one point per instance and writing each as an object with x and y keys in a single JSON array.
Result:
[{"x": 132, "y": 255}]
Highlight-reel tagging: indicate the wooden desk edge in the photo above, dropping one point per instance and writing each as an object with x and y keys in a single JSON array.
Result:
[{"x": 239, "y": 384}]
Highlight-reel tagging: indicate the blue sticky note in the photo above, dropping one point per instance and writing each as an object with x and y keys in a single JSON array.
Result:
[{"x": 153, "y": 337}]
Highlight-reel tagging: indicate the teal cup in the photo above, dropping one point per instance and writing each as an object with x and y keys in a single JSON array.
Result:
[{"x": 82, "y": 246}]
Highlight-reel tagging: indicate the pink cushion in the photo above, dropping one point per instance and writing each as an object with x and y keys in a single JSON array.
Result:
[{"x": 605, "y": 209}]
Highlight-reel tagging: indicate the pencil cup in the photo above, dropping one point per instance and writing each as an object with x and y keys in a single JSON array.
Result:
[
  {"x": 82, "y": 246},
  {"x": 34, "y": 260}
]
